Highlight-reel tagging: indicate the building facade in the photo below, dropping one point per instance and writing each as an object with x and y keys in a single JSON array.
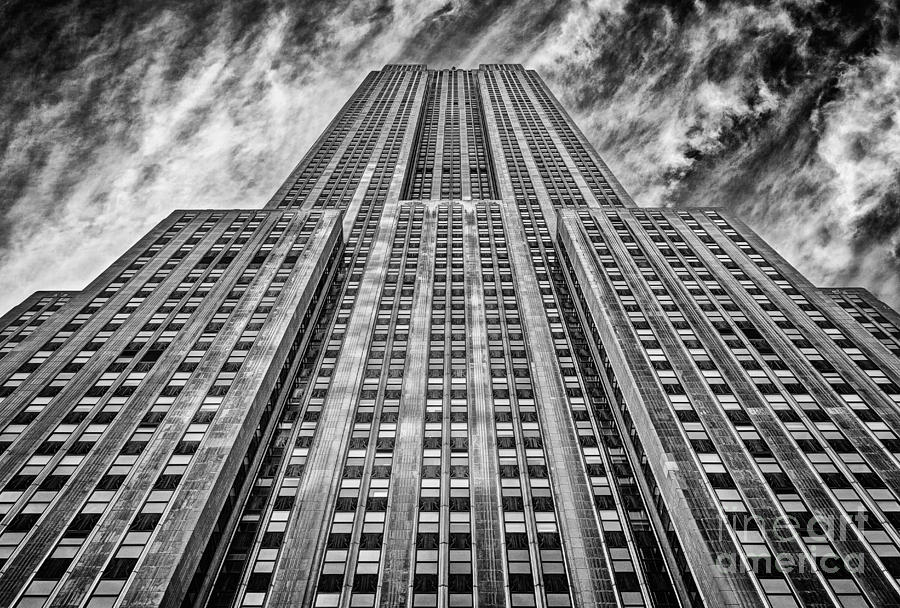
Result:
[{"x": 450, "y": 363}]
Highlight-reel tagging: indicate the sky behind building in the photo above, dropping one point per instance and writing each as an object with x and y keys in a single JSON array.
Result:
[{"x": 114, "y": 115}]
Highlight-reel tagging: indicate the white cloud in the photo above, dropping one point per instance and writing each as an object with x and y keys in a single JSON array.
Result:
[
  {"x": 222, "y": 136},
  {"x": 233, "y": 124}
]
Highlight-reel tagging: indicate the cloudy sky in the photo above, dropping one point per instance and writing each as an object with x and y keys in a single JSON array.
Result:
[{"x": 115, "y": 113}]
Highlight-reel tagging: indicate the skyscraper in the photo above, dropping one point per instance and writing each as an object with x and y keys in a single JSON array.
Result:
[{"x": 450, "y": 363}]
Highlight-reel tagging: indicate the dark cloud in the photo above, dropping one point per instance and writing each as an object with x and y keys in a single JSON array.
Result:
[
  {"x": 882, "y": 220},
  {"x": 784, "y": 111},
  {"x": 757, "y": 107}
]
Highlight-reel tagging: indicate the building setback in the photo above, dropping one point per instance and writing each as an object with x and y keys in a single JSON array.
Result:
[{"x": 450, "y": 363}]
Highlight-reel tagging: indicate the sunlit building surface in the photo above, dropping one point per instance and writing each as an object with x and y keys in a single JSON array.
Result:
[{"x": 450, "y": 363}]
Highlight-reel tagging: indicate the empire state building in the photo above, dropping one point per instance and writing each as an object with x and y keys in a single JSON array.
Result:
[{"x": 450, "y": 363}]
